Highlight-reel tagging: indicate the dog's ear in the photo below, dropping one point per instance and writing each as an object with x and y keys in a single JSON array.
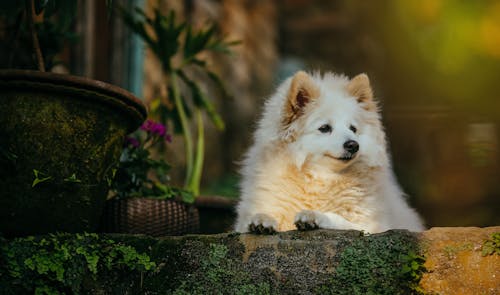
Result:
[
  {"x": 360, "y": 88},
  {"x": 302, "y": 91}
]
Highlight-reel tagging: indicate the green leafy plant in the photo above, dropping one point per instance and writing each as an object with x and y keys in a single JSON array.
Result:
[
  {"x": 39, "y": 177},
  {"x": 139, "y": 174},
  {"x": 181, "y": 50},
  {"x": 413, "y": 269},
  {"x": 61, "y": 263},
  {"x": 492, "y": 246},
  {"x": 73, "y": 179}
]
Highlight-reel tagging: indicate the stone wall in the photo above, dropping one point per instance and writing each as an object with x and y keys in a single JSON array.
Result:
[
  {"x": 455, "y": 262},
  {"x": 438, "y": 261}
]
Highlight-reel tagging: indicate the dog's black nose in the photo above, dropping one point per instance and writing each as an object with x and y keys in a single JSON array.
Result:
[{"x": 351, "y": 146}]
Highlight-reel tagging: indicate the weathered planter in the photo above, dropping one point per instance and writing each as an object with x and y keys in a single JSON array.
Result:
[
  {"x": 150, "y": 216},
  {"x": 71, "y": 130}
]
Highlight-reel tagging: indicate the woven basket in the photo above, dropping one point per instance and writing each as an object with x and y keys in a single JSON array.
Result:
[{"x": 150, "y": 216}]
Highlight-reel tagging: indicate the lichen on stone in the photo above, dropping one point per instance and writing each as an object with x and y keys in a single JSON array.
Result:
[{"x": 451, "y": 251}]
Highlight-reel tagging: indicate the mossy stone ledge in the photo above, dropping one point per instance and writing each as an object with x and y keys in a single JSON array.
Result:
[{"x": 437, "y": 261}]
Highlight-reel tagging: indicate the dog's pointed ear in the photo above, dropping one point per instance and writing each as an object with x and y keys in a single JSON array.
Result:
[
  {"x": 302, "y": 91},
  {"x": 359, "y": 87}
]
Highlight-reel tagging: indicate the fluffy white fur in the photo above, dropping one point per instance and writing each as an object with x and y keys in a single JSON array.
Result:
[{"x": 292, "y": 175}]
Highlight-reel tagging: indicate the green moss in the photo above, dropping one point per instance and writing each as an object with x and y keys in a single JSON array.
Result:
[
  {"x": 492, "y": 246},
  {"x": 378, "y": 264},
  {"x": 218, "y": 274},
  {"x": 66, "y": 263}
]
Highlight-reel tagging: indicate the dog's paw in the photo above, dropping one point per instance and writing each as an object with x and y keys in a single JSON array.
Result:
[
  {"x": 307, "y": 220},
  {"x": 263, "y": 224}
]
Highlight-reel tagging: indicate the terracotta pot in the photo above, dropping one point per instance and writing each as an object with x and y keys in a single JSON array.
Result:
[
  {"x": 71, "y": 130},
  {"x": 149, "y": 216}
]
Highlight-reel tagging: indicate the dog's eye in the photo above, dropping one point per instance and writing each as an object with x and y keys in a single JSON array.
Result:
[
  {"x": 325, "y": 128},
  {"x": 353, "y": 129}
]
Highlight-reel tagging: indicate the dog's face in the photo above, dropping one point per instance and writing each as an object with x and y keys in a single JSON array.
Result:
[{"x": 331, "y": 122}]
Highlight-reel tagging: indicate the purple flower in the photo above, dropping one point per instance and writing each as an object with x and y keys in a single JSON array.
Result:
[
  {"x": 157, "y": 129},
  {"x": 130, "y": 141},
  {"x": 146, "y": 126}
]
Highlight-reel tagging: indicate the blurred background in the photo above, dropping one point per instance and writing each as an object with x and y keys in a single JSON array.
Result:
[{"x": 434, "y": 65}]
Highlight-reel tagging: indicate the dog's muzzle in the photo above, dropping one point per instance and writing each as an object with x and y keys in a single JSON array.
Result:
[{"x": 351, "y": 147}]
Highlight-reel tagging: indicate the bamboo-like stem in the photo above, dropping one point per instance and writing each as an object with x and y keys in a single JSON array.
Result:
[
  {"x": 199, "y": 157},
  {"x": 186, "y": 131},
  {"x": 30, "y": 8}
]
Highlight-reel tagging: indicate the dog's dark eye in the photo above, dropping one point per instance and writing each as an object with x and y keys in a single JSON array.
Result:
[
  {"x": 325, "y": 128},
  {"x": 353, "y": 129}
]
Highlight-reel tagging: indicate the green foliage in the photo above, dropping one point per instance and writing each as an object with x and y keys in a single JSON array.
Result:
[
  {"x": 492, "y": 246},
  {"x": 218, "y": 274},
  {"x": 139, "y": 173},
  {"x": 72, "y": 178},
  {"x": 132, "y": 177},
  {"x": 181, "y": 50},
  {"x": 412, "y": 270},
  {"x": 61, "y": 263},
  {"x": 39, "y": 177},
  {"x": 378, "y": 265}
]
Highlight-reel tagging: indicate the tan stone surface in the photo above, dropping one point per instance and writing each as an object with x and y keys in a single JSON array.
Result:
[{"x": 455, "y": 264}]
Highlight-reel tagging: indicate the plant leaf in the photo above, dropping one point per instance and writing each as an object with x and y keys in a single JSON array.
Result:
[
  {"x": 201, "y": 101},
  {"x": 137, "y": 26},
  {"x": 72, "y": 178},
  {"x": 39, "y": 178},
  {"x": 186, "y": 196},
  {"x": 218, "y": 83},
  {"x": 197, "y": 42}
]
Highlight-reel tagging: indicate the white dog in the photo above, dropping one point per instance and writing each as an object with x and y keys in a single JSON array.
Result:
[{"x": 320, "y": 160}]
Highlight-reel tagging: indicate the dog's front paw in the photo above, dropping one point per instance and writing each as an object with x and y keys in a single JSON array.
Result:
[
  {"x": 263, "y": 224},
  {"x": 307, "y": 220}
]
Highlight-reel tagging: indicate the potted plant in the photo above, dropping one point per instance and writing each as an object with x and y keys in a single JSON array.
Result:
[
  {"x": 182, "y": 52},
  {"x": 60, "y": 137},
  {"x": 142, "y": 201}
]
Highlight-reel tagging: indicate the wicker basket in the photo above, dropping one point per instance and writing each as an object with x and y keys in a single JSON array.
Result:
[{"x": 150, "y": 216}]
